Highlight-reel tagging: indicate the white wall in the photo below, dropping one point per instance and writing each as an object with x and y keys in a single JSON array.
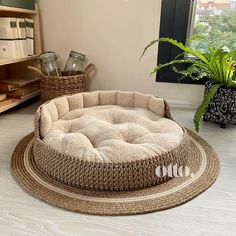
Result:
[{"x": 113, "y": 34}]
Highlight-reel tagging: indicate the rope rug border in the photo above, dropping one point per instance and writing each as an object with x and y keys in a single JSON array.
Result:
[{"x": 203, "y": 162}]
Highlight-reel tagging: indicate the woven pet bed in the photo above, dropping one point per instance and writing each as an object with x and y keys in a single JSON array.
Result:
[
  {"x": 98, "y": 153},
  {"x": 107, "y": 168}
]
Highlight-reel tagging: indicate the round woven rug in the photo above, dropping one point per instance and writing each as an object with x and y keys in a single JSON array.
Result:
[{"x": 203, "y": 165}]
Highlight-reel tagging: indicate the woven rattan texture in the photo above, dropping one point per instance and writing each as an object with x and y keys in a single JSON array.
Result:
[
  {"x": 52, "y": 87},
  {"x": 107, "y": 176},
  {"x": 56, "y": 86},
  {"x": 111, "y": 206}
]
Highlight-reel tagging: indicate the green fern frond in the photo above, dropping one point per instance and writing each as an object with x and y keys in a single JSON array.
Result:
[
  {"x": 201, "y": 109},
  {"x": 197, "y": 37},
  {"x": 160, "y": 66},
  {"x": 148, "y": 46},
  {"x": 193, "y": 71},
  {"x": 179, "y": 45}
]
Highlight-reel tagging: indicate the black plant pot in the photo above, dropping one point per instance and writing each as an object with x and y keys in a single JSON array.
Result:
[{"x": 222, "y": 108}]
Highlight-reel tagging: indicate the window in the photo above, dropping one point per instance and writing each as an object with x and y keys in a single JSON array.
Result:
[
  {"x": 180, "y": 19},
  {"x": 175, "y": 15},
  {"x": 216, "y": 21}
]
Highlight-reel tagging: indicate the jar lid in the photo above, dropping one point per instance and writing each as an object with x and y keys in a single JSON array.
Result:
[
  {"x": 48, "y": 55},
  {"x": 78, "y": 55}
]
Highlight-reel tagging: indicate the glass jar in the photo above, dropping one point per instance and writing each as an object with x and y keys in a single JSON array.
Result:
[
  {"x": 75, "y": 64},
  {"x": 49, "y": 64}
]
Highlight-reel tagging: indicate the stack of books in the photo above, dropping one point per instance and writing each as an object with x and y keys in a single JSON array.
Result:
[
  {"x": 18, "y": 88},
  {"x": 16, "y": 37}
]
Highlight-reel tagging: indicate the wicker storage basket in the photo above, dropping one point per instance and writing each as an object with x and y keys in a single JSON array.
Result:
[{"x": 54, "y": 86}]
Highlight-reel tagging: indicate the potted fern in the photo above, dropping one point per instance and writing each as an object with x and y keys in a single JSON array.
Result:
[{"x": 218, "y": 65}]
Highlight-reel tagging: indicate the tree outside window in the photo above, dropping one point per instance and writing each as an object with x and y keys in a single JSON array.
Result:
[{"x": 215, "y": 20}]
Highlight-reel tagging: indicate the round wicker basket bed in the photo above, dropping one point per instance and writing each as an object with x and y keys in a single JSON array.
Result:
[{"x": 108, "y": 140}]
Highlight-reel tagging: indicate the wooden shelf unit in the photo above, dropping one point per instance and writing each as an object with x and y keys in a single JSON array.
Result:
[
  {"x": 17, "y": 67},
  {"x": 5, "y": 9},
  {"x": 17, "y": 102},
  {"x": 4, "y": 61}
]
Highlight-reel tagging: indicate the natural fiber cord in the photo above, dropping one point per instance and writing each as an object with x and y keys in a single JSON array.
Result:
[
  {"x": 202, "y": 161},
  {"x": 123, "y": 176},
  {"x": 55, "y": 86}
]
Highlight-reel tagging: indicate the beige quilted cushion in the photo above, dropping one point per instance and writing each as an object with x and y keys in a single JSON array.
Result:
[
  {"x": 55, "y": 109},
  {"x": 131, "y": 128}
]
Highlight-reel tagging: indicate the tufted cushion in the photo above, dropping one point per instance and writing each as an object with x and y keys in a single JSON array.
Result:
[
  {"x": 91, "y": 99},
  {"x": 125, "y": 99},
  {"x": 108, "y": 126},
  {"x": 46, "y": 120},
  {"x": 108, "y": 97},
  {"x": 51, "y": 107},
  {"x": 141, "y": 100},
  {"x": 113, "y": 133},
  {"x": 107, "y": 140},
  {"x": 75, "y": 101},
  {"x": 156, "y": 105},
  {"x": 62, "y": 106},
  {"x": 49, "y": 114}
]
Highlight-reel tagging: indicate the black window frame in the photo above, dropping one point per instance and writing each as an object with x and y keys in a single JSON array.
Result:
[{"x": 176, "y": 18}]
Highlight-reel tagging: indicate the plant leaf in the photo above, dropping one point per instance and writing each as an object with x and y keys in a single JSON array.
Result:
[
  {"x": 179, "y": 45},
  {"x": 197, "y": 37},
  {"x": 193, "y": 71},
  {"x": 160, "y": 66},
  {"x": 148, "y": 46},
  {"x": 201, "y": 109}
]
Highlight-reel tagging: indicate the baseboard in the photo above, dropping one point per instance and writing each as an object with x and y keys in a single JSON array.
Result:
[{"x": 182, "y": 104}]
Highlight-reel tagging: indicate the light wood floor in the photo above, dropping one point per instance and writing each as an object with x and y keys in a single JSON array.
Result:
[{"x": 213, "y": 213}]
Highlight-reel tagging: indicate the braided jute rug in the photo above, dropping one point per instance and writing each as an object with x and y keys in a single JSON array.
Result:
[{"x": 203, "y": 164}]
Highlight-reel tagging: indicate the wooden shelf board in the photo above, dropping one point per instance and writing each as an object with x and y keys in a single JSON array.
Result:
[
  {"x": 18, "y": 66},
  {"x": 5, "y": 61},
  {"x": 17, "y": 10},
  {"x": 17, "y": 102}
]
